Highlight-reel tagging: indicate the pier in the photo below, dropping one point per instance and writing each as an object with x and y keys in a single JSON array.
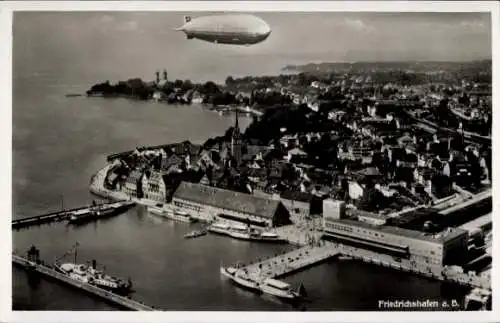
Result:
[
  {"x": 115, "y": 299},
  {"x": 307, "y": 256},
  {"x": 57, "y": 216},
  {"x": 437, "y": 273},
  {"x": 290, "y": 262}
]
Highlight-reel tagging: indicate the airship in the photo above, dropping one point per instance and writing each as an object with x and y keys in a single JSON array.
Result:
[{"x": 234, "y": 29}]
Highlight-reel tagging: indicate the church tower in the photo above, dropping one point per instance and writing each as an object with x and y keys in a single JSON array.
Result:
[{"x": 236, "y": 142}]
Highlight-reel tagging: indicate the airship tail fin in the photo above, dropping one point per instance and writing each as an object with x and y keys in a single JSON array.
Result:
[{"x": 187, "y": 19}]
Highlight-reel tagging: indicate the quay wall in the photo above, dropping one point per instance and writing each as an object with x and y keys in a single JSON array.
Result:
[
  {"x": 303, "y": 234},
  {"x": 435, "y": 272},
  {"x": 124, "y": 302}
]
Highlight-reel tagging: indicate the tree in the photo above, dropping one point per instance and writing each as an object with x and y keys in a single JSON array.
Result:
[{"x": 229, "y": 81}]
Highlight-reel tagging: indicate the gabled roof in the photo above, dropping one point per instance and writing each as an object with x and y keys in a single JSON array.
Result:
[
  {"x": 296, "y": 196},
  {"x": 226, "y": 199}
]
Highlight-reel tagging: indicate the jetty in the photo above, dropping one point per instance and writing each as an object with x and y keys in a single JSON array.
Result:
[
  {"x": 121, "y": 301},
  {"x": 290, "y": 262},
  {"x": 307, "y": 256},
  {"x": 438, "y": 273},
  {"x": 63, "y": 215}
]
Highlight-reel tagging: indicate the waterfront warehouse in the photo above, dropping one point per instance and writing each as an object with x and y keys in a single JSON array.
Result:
[
  {"x": 418, "y": 248},
  {"x": 206, "y": 202}
]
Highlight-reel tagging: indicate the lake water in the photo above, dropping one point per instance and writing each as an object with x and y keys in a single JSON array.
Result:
[{"x": 59, "y": 143}]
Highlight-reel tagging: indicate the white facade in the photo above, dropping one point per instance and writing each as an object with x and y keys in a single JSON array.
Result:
[
  {"x": 355, "y": 190},
  {"x": 429, "y": 251},
  {"x": 208, "y": 212},
  {"x": 333, "y": 209},
  {"x": 154, "y": 187}
]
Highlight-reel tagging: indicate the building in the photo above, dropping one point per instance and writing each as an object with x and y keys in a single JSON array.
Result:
[
  {"x": 236, "y": 142},
  {"x": 296, "y": 154},
  {"x": 297, "y": 203},
  {"x": 207, "y": 202},
  {"x": 133, "y": 185},
  {"x": 371, "y": 218},
  {"x": 415, "y": 247},
  {"x": 154, "y": 187}
]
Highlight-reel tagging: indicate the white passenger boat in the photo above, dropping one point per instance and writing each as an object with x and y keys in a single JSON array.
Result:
[
  {"x": 90, "y": 275},
  {"x": 242, "y": 279},
  {"x": 173, "y": 215},
  {"x": 281, "y": 289},
  {"x": 244, "y": 232}
]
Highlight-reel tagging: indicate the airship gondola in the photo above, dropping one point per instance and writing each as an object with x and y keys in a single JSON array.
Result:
[{"x": 235, "y": 29}]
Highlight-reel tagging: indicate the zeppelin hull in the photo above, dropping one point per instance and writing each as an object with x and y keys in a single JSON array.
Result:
[
  {"x": 230, "y": 39},
  {"x": 227, "y": 29}
]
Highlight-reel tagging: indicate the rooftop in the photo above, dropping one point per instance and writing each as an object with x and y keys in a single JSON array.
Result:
[
  {"x": 442, "y": 237},
  {"x": 226, "y": 199}
]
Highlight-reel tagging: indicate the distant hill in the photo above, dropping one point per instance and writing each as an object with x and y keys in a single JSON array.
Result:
[{"x": 416, "y": 66}]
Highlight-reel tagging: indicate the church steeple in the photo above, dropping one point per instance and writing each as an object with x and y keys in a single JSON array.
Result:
[
  {"x": 236, "y": 141},
  {"x": 236, "y": 130}
]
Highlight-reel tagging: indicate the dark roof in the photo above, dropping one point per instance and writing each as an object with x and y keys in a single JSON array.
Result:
[
  {"x": 225, "y": 199},
  {"x": 254, "y": 150},
  {"x": 296, "y": 196},
  {"x": 370, "y": 171}
]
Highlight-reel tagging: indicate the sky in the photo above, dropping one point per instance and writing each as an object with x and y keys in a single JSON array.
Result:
[{"x": 130, "y": 44}]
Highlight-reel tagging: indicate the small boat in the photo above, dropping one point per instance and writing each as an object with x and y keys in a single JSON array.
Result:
[
  {"x": 281, "y": 289},
  {"x": 195, "y": 234}
]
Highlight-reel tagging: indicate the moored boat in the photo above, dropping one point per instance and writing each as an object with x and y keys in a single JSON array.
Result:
[
  {"x": 89, "y": 274},
  {"x": 242, "y": 279},
  {"x": 98, "y": 212},
  {"x": 195, "y": 234},
  {"x": 243, "y": 232},
  {"x": 92, "y": 276},
  {"x": 281, "y": 289},
  {"x": 172, "y": 215}
]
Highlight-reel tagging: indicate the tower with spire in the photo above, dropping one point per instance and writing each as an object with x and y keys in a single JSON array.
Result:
[{"x": 236, "y": 141}]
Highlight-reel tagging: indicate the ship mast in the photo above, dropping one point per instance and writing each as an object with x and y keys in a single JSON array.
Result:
[
  {"x": 76, "y": 251},
  {"x": 67, "y": 253}
]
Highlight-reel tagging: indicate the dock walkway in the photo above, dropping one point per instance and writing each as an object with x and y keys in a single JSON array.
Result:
[
  {"x": 121, "y": 301},
  {"x": 289, "y": 262},
  {"x": 307, "y": 256},
  {"x": 54, "y": 216}
]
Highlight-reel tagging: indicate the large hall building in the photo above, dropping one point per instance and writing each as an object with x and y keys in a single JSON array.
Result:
[
  {"x": 425, "y": 249},
  {"x": 207, "y": 202}
]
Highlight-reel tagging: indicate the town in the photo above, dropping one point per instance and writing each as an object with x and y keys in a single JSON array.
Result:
[{"x": 389, "y": 161}]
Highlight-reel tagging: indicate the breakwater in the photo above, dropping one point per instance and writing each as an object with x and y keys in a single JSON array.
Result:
[{"x": 124, "y": 302}]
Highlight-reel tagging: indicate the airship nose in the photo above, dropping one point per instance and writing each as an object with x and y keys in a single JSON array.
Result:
[{"x": 264, "y": 30}]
